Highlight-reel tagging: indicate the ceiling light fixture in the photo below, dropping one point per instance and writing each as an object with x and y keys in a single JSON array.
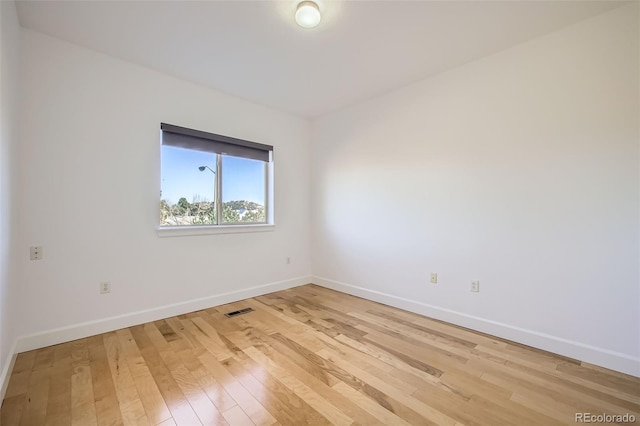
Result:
[{"x": 308, "y": 14}]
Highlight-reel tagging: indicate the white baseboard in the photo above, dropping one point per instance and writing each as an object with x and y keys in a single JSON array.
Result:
[
  {"x": 603, "y": 357},
  {"x": 7, "y": 368},
  {"x": 91, "y": 328}
]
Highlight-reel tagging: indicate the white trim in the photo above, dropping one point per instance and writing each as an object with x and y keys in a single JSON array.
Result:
[
  {"x": 7, "y": 369},
  {"x": 603, "y": 357},
  {"x": 91, "y": 328},
  {"x": 184, "y": 231}
]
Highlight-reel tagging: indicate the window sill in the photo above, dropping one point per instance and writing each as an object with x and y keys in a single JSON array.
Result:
[{"x": 186, "y": 231}]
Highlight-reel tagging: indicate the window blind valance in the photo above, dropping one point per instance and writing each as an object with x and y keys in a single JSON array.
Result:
[{"x": 182, "y": 137}]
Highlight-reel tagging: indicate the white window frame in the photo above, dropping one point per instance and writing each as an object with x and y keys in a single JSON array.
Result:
[{"x": 219, "y": 227}]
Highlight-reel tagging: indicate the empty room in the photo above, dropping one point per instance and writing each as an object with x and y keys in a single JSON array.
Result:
[{"x": 319, "y": 212}]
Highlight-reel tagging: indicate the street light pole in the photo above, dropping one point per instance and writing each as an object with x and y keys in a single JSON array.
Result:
[{"x": 215, "y": 177}]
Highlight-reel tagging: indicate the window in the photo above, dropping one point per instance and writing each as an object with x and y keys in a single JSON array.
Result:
[{"x": 212, "y": 180}]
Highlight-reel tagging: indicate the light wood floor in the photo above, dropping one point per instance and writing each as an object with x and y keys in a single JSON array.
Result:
[{"x": 306, "y": 356}]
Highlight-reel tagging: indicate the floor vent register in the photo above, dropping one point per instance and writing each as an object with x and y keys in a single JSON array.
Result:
[{"x": 240, "y": 312}]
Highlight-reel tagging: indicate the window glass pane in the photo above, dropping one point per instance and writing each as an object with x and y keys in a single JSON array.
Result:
[
  {"x": 243, "y": 190},
  {"x": 187, "y": 196}
]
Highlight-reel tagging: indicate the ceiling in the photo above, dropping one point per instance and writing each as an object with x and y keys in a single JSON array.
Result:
[{"x": 254, "y": 49}]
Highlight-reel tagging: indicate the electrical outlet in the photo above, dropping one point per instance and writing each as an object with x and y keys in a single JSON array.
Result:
[
  {"x": 35, "y": 252},
  {"x": 475, "y": 286},
  {"x": 105, "y": 287},
  {"x": 434, "y": 278}
]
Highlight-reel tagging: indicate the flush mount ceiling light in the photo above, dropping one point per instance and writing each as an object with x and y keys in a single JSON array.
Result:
[{"x": 307, "y": 14}]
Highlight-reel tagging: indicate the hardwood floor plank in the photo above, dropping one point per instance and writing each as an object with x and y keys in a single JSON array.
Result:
[
  {"x": 412, "y": 337},
  {"x": 15, "y": 401},
  {"x": 106, "y": 399},
  {"x": 624, "y": 384},
  {"x": 170, "y": 392},
  {"x": 25, "y": 362},
  {"x": 282, "y": 343},
  {"x": 201, "y": 404},
  {"x": 154, "y": 404},
  {"x": 388, "y": 358},
  {"x": 212, "y": 338},
  {"x": 321, "y": 405},
  {"x": 580, "y": 402},
  {"x": 425, "y": 332},
  {"x": 44, "y": 358},
  {"x": 544, "y": 404},
  {"x": 209, "y": 385},
  {"x": 306, "y": 355},
  {"x": 200, "y": 335},
  {"x": 601, "y": 389},
  {"x": 18, "y": 384},
  {"x": 59, "y": 403},
  {"x": 83, "y": 408},
  {"x": 36, "y": 399},
  {"x": 421, "y": 355},
  {"x": 305, "y": 359},
  {"x": 19, "y": 380},
  {"x": 413, "y": 406},
  {"x": 284, "y": 405},
  {"x": 187, "y": 341},
  {"x": 512, "y": 413},
  {"x": 565, "y": 388},
  {"x": 236, "y": 417},
  {"x": 188, "y": 349},
  {"x": 129, "y": 401},
  {"x": 451, "y": 330},
  {"x": 468, "y": 385},
  {"x": 320, "y": 387},
  {"x": 168, "y": 422},
  {"x": 12, "y": 408},
  {"x": 286, "y": 348},
  {"x": 383, "y": 415},
  {"x": 250, "y": 406}
]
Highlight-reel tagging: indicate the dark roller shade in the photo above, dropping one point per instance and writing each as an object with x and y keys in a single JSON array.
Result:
[{"x": 183, "y": 137}]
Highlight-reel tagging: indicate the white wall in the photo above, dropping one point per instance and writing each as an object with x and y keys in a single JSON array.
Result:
[
  {"x": 9, "y": 77},
  {"x": 520, "y": 170},
  {"x": 89, "y": 178}
]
